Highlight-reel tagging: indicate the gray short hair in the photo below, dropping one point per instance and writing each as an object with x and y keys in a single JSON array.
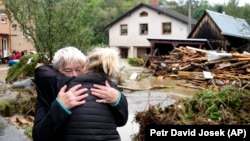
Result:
[{"x": 66, "y": 54}]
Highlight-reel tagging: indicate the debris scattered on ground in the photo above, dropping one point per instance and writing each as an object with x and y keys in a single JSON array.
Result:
[
  {"x": 230, "y": 106},
  {"x": 192, "y": 64}
]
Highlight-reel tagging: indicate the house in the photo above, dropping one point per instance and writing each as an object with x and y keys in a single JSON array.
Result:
[
  {"x": 129, "y": 32},
  {"x": 222, "y": 31},
  {"x": 11, "y": 37},
  {"x": 214, "y": 31}
]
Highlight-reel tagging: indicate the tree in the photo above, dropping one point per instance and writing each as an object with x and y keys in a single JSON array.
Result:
[
  {"x": 102, "y": 12},
  {"x": 51, "y": 24},
  {"x": 199, "y": 8}
]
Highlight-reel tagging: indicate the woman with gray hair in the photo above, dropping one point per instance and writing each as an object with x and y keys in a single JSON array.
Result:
[
  {"x": 104, "y": 110},
  {"x": 53, "y": 102},
  {"x": 56, "y": 104}
]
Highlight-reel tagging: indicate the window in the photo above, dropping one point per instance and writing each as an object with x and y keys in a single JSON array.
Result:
[
  {"x": 13, "y": 26},
  {"x": 143, "y": 14},
  {"x": 3, "y": 20},
  {"x": 166, "y": 28},
  {"x": 25, "y": 35},
  {"x": 124, "y": 29},
  {"x": 144, "y": 29},
  {"x": 2, "y": 11}
]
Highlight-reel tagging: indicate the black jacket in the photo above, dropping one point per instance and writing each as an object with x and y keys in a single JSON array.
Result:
[
  {"x": 49, "y": 115},
  {"x": 52, "y": 123},
  {"x": 95, "y": 121}
]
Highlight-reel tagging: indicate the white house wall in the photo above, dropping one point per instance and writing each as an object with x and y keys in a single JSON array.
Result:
[{"x": 154, "y": 21}]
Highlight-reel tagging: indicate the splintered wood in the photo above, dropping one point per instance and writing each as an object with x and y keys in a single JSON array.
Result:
[{"x": 203, "y": 69}]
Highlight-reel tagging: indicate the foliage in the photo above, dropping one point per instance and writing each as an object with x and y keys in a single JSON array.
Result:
[
  {"x": 50, "y": 24},
  {"x": 136, "y": 61},
  {"x": 55, "y": 24},
  {"x": 228, "y": 107},
  {"x": 231, "y": 8},
  {"x": 6, "y": 107},
  {"x": 23, "y": 69},
  {"x": 28, "y": 131}
]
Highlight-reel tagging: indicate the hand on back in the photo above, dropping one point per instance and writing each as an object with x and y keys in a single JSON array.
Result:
[
  {"x": 73, "y": 97},
  {"x": 106, "y": 94}
]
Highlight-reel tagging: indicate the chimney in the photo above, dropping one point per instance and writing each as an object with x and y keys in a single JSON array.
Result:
[{"x": 155, "y": 3}]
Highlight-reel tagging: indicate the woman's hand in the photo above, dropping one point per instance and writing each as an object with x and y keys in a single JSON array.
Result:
[
  {"x": 106, "y": 94},
  {"x": 73, "y": 97}
]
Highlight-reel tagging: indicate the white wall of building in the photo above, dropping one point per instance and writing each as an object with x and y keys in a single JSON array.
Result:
[{"x": 154, "y": 21}]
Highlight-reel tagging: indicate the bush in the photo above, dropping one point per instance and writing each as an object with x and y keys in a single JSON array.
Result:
[
  {"x": 136, "y": 61},
  {"x": 229, "y": 106},
  {"x": 23, "y": 69}
]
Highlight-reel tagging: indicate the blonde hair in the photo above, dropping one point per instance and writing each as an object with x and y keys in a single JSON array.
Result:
[
  {"x": 104, "y": 59},
  {"x": 68, "y": 54}
]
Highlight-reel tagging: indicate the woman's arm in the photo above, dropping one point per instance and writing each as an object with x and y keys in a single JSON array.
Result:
[
  {"x": 117, "y": 100},
  {"x": 48, "y": 120},
  {"x": 121, "y": 111}
]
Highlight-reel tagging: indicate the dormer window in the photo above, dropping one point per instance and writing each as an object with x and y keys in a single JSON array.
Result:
[{"x": 143, "y": 14}]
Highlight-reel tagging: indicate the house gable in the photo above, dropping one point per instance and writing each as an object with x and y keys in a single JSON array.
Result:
[
  {"x": 166, "y": 12},
  {"x": 223, "y": 32},
  {"x": 206, "y": 28},
  {"x": 130, "y": 31}
]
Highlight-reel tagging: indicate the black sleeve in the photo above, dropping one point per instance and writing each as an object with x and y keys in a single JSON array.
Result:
[
  {"x": 48, "y": 121},
  {"x": 49, "y": 115},
  {"x": 121, "y": 109}
]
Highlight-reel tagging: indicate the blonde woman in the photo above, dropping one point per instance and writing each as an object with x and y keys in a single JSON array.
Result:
[
  {"x": 104, "y": 110},
  {"x": 55, "y": 101}
]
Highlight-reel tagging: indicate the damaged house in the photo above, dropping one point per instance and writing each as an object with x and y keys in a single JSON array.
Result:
[
  {"x": 215, "y": 53},
  {"x": 214, "y": 31}
]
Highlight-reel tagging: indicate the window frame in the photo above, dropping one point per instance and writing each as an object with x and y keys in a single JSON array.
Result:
[
  {"x": 143, "y": 14},
  {"x": 4, "y": 20},
  {"x": 168, "y": 29},
  {"x": 2, "y": 11},
  {"x": 143, "y": 29},
  {"x": 124, "y": 29},
  {"x": 14, "y": 26}
]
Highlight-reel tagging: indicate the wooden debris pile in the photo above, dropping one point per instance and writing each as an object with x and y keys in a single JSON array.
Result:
[{"x": 202, "y": 68}]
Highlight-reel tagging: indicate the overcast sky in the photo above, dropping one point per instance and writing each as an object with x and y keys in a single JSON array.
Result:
[{"x": 241, "y": 2}]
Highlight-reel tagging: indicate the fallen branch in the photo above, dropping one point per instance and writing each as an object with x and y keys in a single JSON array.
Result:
[{"x": 143, "y": 89}]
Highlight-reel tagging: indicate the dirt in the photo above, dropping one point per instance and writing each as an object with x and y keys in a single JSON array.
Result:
[
  {"x": 148, "y": 83},
  {"x": 3, "y": 72}
]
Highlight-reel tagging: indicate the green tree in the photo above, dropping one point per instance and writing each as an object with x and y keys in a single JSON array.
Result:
[
  {"x": 199, "y": 7},
  {"x": 245, "y": 13},
  {"x": 102, "y": 12},
  {"x": 232, "y": 8},
  {"x": 51, "y": 24}
]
